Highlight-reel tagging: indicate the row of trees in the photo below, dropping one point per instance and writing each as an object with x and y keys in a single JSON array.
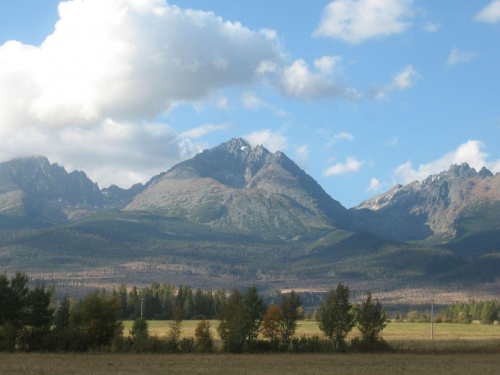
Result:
[
  {"x": 485, "y": 311},
  {"x": 246, "y": 315},
  {"x": 160, "y": 302},
  {"x": 29, "y": 322}
]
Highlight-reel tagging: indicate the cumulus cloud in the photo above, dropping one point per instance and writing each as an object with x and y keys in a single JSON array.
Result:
[
  {"x": 374, "y": 186},
  {"x": 457, "y": 57},
  {"x": 490, "y": 14},
  {"x": 272, "y": 140},
  {"x": 351, "y": 165},
  {"x": 471, "y": 152},
  {"x": 354, "y": 21},
  {"x": 119, "y": 153},
  {"x": 114, "y": 66},
  {"x": 300, "y": 82},
  {"x": 328, "y": 64},
  {"x": 404, "y": 79}
]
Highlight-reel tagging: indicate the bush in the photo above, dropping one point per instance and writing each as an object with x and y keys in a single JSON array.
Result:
[
  {"x": 187, "y": 345},
  {"x": 312, "y": 344},
  {"x": 360, "y": 345},
  {"x": 139, "y": 329},
  {"x": 262, "y": 346},
  {"x": 203, "y": 335},
  {"x": 8, "y": 334}
]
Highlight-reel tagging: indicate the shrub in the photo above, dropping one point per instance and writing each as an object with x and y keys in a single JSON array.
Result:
[
  {"x": 203, "y": 335},
  {"x": 363, "y": 345},
  {"x": 187, "y": 345},
  {"x": 312, "y": 344},
  {"x": 139, "y": 329}
]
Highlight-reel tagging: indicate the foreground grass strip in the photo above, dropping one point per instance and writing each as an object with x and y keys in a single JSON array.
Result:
[{"x": 360, "y": 364}]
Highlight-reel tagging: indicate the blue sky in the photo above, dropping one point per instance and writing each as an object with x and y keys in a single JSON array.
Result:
[{"x": 362, "y": 94}]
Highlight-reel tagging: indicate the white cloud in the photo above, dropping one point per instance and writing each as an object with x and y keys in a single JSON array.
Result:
[
  {"x": 351, "y": 165},
  {"x": 431, "y": 27},
  {"x": 109, "y": 68},
  {"x": 204, "y": 130},
  {"x": 342, "y": 136},
  {"x": 470, "y": 152},
  {"x": 457, "y": 56},
  {"x": 112, "y": 153},
  {"x": 357, "y": 20},
  {"x": 273, "y": 141},
  {"x": 298, "y": 81},
  {"x": 404, "y": 79},
  {"x": 328, "y": 64},
  {"x": 374, "y": 186},
  {"x": 490, "y": 14}
]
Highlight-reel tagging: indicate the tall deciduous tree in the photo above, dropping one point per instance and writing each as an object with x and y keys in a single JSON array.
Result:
[
  {"x": 255, "y": 309},
  {"x": 336, "y": 317},
  {"x": 97, "y": 319},
  {"x": 371, "y": 320},
  {"x": 272, "y": 324},
  {"x": 233, "y": 324},
  {"x": 290, "y": 311}
]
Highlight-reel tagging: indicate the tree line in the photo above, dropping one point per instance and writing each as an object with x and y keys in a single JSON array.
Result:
[
  {"x": 29, "y": 322},
  {"x": 485, "y": 312}
]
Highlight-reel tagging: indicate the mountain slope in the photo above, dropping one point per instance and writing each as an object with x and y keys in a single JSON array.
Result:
[
  {"x": 433, "y": 207},
  {"x": 34, "y": 191},
  {"x": 242, "y": 189}
]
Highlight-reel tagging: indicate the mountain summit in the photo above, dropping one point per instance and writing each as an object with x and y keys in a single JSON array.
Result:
[
  {"x": 433, "y": 206},
  {"x": 237, "y": 188},
  {"x": 35, "y": 190}
]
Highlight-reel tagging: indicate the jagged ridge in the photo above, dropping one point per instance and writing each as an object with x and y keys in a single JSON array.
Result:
[{"x": 432, "y": 206}]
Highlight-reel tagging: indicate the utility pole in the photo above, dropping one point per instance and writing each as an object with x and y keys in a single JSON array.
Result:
[
  {"x": 432, "y": 319},
  {"x": 142, "y": 302}
]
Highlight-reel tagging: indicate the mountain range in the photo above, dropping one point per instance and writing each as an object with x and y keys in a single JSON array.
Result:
[{"x": 242, "y": 210}]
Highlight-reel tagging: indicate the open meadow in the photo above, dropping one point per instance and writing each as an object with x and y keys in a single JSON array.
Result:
[
  {"x": 393, "y": 332},
  {"x": 360, "y": 364},
  {"x": 457, "y": 349}
]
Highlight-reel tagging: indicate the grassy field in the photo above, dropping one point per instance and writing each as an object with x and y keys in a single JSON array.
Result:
[
  {"x": 457, "y": 349},
  {"x": 393, "y": 331},
  {"x": 360, "y": 364}
]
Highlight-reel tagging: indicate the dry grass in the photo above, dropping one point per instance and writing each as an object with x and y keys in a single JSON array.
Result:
[
  {"x": 360, "y": 364},
  {"x": 393, "y": 332}
]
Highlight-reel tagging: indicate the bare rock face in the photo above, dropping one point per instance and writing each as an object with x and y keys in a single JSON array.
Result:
[
  {"x": 33, "y": 187},
  {"x": 238, "y": 188},
  {"x": 433, "y": 206}
]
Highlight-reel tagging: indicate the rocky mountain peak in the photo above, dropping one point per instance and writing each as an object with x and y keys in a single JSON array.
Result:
[
  {"x": 234, "y": 145},
  {"x": 34, "y": 185},
  {"x": 428, "y": 207},
  {"x": 484, "y": 173},
  {"x": 461, "y": 171}
]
